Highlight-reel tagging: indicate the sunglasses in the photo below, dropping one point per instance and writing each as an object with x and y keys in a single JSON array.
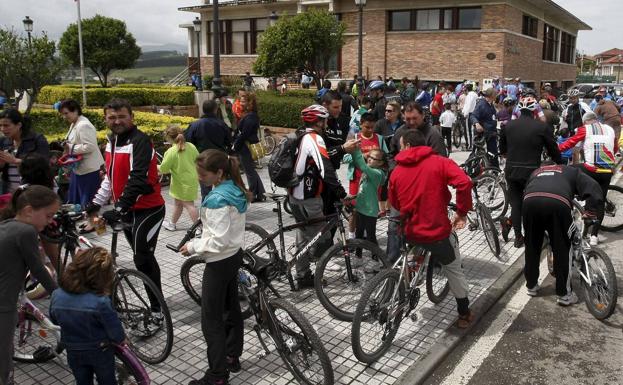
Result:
[
  {"x": 390, "y": 111},
  {"x": 377, "y": 159}
]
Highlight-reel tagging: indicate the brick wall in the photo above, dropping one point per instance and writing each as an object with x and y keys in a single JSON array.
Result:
[{"x": 230, "y": 65}]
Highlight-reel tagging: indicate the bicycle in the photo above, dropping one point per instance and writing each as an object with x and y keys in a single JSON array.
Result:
[
  {"x": 391, "y": 296},
  {"x": 592, "y": 265},
  {"x": 133, "y": 293},
  {"x": 286, "y": 327},
  {"x": 458, "y": 130},
  {"x": 613, "y": 214},
  {"x": 37, "y": 339},
  {"x": 268, "y": 140}
]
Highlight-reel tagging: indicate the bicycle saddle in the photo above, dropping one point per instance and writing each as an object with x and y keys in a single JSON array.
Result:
[{"x": 276, "y": 197}]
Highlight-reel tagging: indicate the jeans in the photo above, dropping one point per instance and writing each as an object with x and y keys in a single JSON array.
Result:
[
  {"x": 221, "y": 320},
  {"x": 88, "y": 363},
  {"x": 393, "y": 237}
]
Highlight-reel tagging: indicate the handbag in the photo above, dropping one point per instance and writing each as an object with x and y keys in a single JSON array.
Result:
[{"x": 257, "y": 150}]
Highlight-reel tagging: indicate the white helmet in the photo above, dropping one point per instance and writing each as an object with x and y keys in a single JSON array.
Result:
[
  {"x": 574, "y": 93},
  {"x": 527, "y": 103}
]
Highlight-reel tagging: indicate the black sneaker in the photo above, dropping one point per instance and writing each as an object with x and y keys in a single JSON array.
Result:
[
  {"x": 305, "y": 281},
  {"x": 519, "y": 241},
  {"x": 506, "y": 228},
  {"x": 233, "y": 364},
  {"x": 208, "y": 381}
]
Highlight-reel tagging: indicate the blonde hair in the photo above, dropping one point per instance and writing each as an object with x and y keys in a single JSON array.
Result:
[
  {"x": 90, "y": 271},
  {"x": 175, "y": 134}
]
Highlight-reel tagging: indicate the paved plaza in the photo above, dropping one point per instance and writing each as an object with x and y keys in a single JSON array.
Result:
[{"x": 188, "y": 358}]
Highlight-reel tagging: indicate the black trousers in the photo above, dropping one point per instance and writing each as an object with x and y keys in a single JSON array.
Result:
[
  {"x": 446, "y": 132},
  {"x": 468, "y": 132},
  {"x": 604, "y": 181},
  {"x": 516, "y": 188},
  {"x": 366, "y": 227},
  {"x": 143, "y": 237},
  {"x": 541, "y": 214},
  {"x": 254, "y": 181},
  {"x": 221, "y": 321}
]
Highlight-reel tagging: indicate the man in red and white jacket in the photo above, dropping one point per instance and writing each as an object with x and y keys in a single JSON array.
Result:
[
  {"x": 599, "y": 147},
  {"x": 418, "y": 188},
  {"x": 132, "y": 184}
]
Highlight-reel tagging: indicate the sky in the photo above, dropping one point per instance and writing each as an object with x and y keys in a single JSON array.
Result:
[{"x": 155, "y": 22}]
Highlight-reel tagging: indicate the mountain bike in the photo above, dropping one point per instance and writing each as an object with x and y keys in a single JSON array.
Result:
[
  {"x": 37, "y": 339},
  {"x": 591, "y": 265},
  {"x": 613, "y": 215},
  {"x": 280, "y": 324},
  {"x": 133, "y": 294},
  {"x": 268, "y": 140},
  {"x": 391, "y": 296}
]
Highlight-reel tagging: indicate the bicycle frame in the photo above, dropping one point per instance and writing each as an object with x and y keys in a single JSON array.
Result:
[{"x": 25, "y": 306}]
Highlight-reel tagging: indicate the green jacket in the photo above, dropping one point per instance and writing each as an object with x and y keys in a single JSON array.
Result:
[
  {"x": 348, "y": 158},
  {"x": 372, "y": 178},
  {"x": 181, "y": 166}
]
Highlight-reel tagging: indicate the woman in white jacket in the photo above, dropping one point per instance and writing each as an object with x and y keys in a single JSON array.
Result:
[
  {"x": 223, "y": 215},
  {"x": 82, "y": 139}
]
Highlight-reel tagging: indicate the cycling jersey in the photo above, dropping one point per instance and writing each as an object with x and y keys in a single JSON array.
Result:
[{"x": 599, "y": 146}]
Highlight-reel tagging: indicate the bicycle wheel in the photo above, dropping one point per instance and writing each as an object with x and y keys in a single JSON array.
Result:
[
  {"x": 601, "y": 294},
  {"x": 269, "y": 144},
  {"x": 338, "y": 292},
  {"x": 253, "y": 235},
  {"x": 437, "y": 285},
  {"x": 149, "y": 333},
  {"x": 377, "y": 317},
  {"x": 298, "y": 344},
  {"x": 491, "y": 233},
  {"x": 613, "y": 217},
  {"x": 128, "y": 371},
  {"x": 457, "y": 135},
  {"x": 191, "y": 274},
  {"x": 33, "y": 341},
  {"x": 492, "y": 194}
]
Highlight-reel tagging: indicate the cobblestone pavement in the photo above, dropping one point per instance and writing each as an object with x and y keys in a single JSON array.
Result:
[{"x": 188, "y": 358}]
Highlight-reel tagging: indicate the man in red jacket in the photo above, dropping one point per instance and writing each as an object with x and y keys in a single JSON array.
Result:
[{"x": 418, "y": 188}]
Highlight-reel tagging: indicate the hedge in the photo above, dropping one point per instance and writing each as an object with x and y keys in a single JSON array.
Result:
[
  {"x": 281, "y": 111},
  {"x": 49, "y": 123},
  {"x": 139, "y": 96}
]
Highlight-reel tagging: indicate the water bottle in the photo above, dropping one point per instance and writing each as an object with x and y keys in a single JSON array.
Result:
[{"x": 71, "y": 207}]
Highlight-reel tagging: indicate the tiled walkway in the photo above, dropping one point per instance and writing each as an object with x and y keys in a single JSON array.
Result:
[{"x": 188, "y": 358}]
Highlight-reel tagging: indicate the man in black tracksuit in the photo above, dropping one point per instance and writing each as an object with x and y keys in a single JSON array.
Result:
[
  {"x": 547, "y": 206},
  {"x": 522, "y": 142}
]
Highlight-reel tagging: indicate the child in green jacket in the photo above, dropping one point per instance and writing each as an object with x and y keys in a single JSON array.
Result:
[{"x": 367, "y": 203}]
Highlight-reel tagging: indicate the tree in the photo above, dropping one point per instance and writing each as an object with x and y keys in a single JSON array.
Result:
[
  {"x": 305, "y": 42},
  {"x": 25, "y": 67},
  {"x": 106, "y": 43}
]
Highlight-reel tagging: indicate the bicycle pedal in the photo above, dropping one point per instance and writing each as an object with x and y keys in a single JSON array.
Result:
[{"x": 413, "y": 317}]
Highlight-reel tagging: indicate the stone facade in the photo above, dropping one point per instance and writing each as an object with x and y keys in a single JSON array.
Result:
[{"x": 498, "y": 48}]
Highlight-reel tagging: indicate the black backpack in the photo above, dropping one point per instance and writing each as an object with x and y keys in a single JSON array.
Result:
[{"x": 282, "y": 163}]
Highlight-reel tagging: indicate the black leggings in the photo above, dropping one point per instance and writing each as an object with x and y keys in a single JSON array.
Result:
[
  {"x": 542, "y": 214},
  {"x": 143, "y": 237},
  {"x": 604, "y": 181},
  {"x": 221, "y": 321},
  {"x": 365, "y": 226},
  {"x": 515, "y": 193},
  {"x": 446, "y": 132}
]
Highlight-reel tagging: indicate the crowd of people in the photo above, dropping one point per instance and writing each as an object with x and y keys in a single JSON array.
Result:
[{"x": 395, "y": 142}]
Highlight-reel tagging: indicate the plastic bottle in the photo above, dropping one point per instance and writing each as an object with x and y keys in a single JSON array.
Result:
[{"x": 70, "y": 207}]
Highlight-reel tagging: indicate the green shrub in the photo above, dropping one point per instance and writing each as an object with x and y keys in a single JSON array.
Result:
[
  {"x": 280, "y": 111},
  {"x": 302, "y": 93},
  {"x": 97, "y": 96}
]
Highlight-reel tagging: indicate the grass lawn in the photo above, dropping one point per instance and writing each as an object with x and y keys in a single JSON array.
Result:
[{"x": 152, "y": 73}]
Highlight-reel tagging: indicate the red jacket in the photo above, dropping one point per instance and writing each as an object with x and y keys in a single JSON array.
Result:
[{"x": 418, "y": 188}]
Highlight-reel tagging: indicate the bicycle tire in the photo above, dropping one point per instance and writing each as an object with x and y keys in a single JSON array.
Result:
[
  {"x": 457, "y": 135},
  {"x": 253, "y": 234},
  {"x": 363, "y": 315},
  {"x": 30, "y": 343},
  {"x": 134, "y": 318},
  {"x": 269, "y": 144},
  {"x": 491, "y": 233},
  {"x": 493, "y": 194},
  {"x": 614, "y": 206},
  {"x": 287, "y": 207},
  {"x": 126, "y": 372},
  {"x": 437, "y": 285},
  {"x": 601, "y": 296},
  {"x": 191, "y": 275},
  {"x": 335, "y": 291},
  {"x": 306, "y": 340}
]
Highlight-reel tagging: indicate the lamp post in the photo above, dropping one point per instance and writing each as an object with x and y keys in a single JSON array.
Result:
[
  {"x": 360, "y": 4},
  {"x": 619, "y": 70},
  {"x": 197, "y": 28},
  {"x": 82, "y": 75},
  {"x": 216, "y": 81},
  {"x": 28, "y": 27},
  {"x": 272, "y": 18}
]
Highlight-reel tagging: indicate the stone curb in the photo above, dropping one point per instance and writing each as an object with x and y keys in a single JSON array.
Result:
[{"x": 429, "y": 361}]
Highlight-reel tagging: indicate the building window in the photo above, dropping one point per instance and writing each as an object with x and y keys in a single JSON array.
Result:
[
  {"x": 551, "y": 38},
  {"x": 530, "y": 26},
  {"x": 567, "y": 48},
  {"x": 434, "y": 19},
  {"x": 400, "y": 21},
  {"x": 427, "y": 19},
  {"x": 469, "y": 18}
]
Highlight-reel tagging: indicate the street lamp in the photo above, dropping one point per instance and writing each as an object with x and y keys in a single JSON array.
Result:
[
  {"x": 28, "y": 27},
  {"x": 216, "y": 81},
  {"x": 197, "y": 28},
  {"x": 619, "y": 70},
  {"x": 360, "y": 4},
  {"x": 272, "y": 18}
]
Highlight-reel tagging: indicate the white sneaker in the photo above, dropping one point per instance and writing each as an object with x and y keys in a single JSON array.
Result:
[
  {"x": 169, "y": 226},
  {"x": 568, "y": 299},
  {"x": 532, "y": 292},
  {"x": 333, "y": 265},
  {"x": 594, "y": 240}
]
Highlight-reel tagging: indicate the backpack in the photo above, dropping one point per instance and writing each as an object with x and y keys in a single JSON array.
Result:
[{"x": 283, "y": 161}]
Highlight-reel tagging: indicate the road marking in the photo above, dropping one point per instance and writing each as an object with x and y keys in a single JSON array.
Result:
[{"x": 475, "y": 356}]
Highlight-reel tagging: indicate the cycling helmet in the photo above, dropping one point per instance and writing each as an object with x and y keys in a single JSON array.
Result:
[
  {"x": 574, "y": 93},
  {"x": 527, "y": 103},
  {"x": 528, "y": 92},
  {"x": 508, "y": 101},
  {"x": 376, "y": 85},
  {"x": 314, "y": 113}
]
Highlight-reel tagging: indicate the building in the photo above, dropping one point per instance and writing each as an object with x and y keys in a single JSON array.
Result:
[
  {"x": 609, "y": 63},
  {"x": 435, "y": 40}
]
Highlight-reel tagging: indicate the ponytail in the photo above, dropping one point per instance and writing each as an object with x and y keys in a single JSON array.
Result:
[
  {"x": 213, "y": 160},
  {"x": 175, "y": 134},
  {"x": 34, "y": 196},
  {"x": 234, "y": 173}
]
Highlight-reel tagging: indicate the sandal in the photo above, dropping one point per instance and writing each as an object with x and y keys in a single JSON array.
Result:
[{"x": 465, "y": 320}]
